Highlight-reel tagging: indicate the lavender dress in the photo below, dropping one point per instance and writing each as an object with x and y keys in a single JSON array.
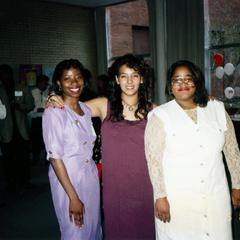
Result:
[
  {"x": 70, "y": 137},
  {"x": 127, "y": 190}
]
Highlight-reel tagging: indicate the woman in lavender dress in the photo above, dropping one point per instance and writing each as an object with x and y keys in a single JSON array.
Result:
[{"x": 69, "y": 139}]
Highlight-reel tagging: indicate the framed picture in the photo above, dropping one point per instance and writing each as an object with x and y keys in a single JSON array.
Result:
[{"x": 29, "y": 72}]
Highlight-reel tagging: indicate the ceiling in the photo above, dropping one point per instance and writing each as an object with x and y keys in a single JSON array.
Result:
[{"x": 89, "y": 3}]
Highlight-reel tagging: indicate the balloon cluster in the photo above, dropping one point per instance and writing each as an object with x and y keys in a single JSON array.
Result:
[{"x": 228, "y": 69}]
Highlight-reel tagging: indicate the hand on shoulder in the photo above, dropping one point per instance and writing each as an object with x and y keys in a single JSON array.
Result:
[{"x": 54, "y": 100}]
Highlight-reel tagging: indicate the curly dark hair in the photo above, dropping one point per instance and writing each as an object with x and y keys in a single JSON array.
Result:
[
  {"x": 201, "y": 94},
  {"x": 144, "y": 106},
  {"x": 65, "y": 65}
]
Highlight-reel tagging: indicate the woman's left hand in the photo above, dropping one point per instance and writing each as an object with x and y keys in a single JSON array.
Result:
[
  {"x": 162, "y": 209},
  {"x": 76, "y": 211},
  {"x": 236, "y": 198}
]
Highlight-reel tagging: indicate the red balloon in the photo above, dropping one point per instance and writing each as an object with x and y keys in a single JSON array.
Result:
[{"x": 218, "y": 59}]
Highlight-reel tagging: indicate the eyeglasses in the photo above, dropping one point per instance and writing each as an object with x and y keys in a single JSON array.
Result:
[{"x": 188, "y": 80}]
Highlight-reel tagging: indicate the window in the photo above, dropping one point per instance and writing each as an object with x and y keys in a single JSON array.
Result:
[
  {"x": 127, "y": 29},
  {"x": 140, "y": 37},
  {"x": 222, "y": 49}
]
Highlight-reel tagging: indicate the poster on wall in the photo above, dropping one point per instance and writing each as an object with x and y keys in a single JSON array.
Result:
[{"x": 29, "y": 72}]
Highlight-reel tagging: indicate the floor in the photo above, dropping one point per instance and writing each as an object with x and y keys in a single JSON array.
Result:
[{"x": 29, "y": 214}]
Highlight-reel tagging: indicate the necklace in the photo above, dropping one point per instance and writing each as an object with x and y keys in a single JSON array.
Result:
[{"x": 130, "y": 107}]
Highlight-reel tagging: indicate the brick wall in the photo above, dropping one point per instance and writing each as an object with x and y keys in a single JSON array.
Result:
[
  {"x": 122, "y": 17},
  {"x": 35, "y": 32}
]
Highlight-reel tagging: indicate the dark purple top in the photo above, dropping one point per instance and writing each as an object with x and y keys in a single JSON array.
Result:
[{"x": 127, "y": 191}]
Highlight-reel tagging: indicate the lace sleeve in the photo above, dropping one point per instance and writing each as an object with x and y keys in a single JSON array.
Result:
[
  {"x": 154, "y": 147},
  {"x": 232, "y": 154}
]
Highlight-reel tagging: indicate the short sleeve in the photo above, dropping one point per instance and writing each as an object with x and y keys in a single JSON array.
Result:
[{"x": 53, "y": 125}]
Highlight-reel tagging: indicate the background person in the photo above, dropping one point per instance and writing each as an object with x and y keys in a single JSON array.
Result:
[
  {"x": 15, "y": 130},
  {"x": 103, "y": 85},
  {"x": 40, "y": 94}
]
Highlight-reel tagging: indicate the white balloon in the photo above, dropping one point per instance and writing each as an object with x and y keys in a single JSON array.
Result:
[
  {"x": 219, "y": 72},
  {"x": 229, "y": 69},
  {"x": 229, "y": 92}
]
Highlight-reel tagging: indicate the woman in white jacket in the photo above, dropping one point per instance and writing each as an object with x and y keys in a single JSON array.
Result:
[{"x": 184, "y": 140}]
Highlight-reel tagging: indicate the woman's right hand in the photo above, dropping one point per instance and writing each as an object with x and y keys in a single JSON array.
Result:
[
  {"x": 55, "y": 101},
  {"x": 162, "y": 209},
  {"x": 76, "y": 211}
]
